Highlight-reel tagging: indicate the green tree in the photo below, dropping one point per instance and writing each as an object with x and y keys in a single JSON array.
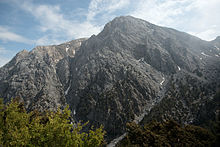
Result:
[
  {"x": 168, "y": 133},
  {"x": 19, "y": 128},
  {"x": 1, "y": 121},
  {"x": 14, "y": 124}
]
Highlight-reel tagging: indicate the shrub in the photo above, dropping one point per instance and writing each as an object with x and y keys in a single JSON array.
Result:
[
  {"x": 19, "y": 128},
  {"x": 168, "y": 133}
]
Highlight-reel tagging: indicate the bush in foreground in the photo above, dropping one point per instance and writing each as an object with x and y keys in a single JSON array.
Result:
[
  {"x": 168, "y": 133},
  {"x": 19, "y": 128}
]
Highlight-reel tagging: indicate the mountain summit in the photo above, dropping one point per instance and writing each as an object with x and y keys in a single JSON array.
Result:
[{"x": 131, "y": 70}]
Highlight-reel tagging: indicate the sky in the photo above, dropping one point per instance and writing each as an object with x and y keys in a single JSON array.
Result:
[{"x": 25, "y": 24}]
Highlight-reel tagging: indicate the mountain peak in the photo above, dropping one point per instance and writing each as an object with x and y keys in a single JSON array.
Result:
[
  {"x": 123, "y": 18},
  {"x": 127, "y": 25},
  {"x": 126, "y": 21}
]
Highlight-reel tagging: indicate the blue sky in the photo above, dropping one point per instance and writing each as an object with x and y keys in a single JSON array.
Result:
[{"x": 25, "y": 24}]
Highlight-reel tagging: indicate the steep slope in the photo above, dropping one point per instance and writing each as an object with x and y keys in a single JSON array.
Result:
[
  {"x": 123, "y": 71},
  {"x": 118, "y": 75},
  {"x": 40, "y": 76},
  {"x": 192, "y": 98}
]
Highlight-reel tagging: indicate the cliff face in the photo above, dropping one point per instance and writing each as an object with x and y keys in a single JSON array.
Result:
[
  {"x": 39, "y": 76},
  {"x": 118, "y": 75}
]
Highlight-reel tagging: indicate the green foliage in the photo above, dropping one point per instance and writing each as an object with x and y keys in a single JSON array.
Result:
[
  {"x": 168, "y": 133},
  {"x": 19, "y": 128}
]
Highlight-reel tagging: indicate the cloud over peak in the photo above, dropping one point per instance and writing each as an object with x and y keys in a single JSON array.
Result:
[
  {"x": 7, "y": 35},
  {"x": 56, "y": 26},
  {"x": 198, "y": 17}
]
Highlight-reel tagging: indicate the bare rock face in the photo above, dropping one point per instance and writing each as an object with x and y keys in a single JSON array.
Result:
[
  {"x": 39, "y": 77},
  {"x": 123, "y": 74}
]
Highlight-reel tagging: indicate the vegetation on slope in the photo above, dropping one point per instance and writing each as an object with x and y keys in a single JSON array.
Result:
[
  {"x": 168, "y": 133},
  {"x": 19, "y": 128}
]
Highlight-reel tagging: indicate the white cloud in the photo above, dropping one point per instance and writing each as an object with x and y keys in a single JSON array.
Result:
[
  {"x": 6, "y": 35},
  {"x": 206, "y": 23},
  {"x": 196, "y": 16},
  {"x": 105, "y": 6},
  {"x": 56, "y": 26},
  {"x": 2, "y": 50},
  {"x": 3, "y": 58},
  {"x": 159, "y": 12},
  {"x": 59, "y": 29},
  {"x": 209, "y": 34},
  {"x": 48, "y": 39}
]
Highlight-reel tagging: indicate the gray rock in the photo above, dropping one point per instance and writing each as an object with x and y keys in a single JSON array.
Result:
[{"x": 39, "y": 77}]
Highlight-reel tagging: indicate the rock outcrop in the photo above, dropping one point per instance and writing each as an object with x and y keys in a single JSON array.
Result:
[{"x": 40, "y": 76}]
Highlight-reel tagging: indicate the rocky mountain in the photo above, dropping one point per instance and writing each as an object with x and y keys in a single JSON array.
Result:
[
  {"x": 131, "y": 70},
  {"x": 39, "y": 77}
]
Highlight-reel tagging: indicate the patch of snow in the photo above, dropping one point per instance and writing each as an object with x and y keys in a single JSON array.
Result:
[
  {"x": 216, "y": 55},
  {"x": 204, "y": 54},
  {"x": 76, "y": 93},
  {"x": 67, "y": 90},
  {"x": 200, "y": 58},
  {"x": 161, "y": 83},
  {"x": 217, "y": 48},
  {"x": 179, "y": 68},
  {"x": 67, "y": 48},
  {"x": 141, "y": 59},
  {"x": 116, "y": 140},
  {"x": 76, "y": 68}
]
